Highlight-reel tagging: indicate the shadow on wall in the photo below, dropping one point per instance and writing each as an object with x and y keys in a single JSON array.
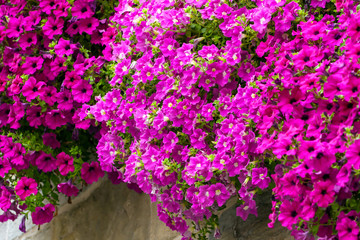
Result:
[{"x": 254, "y": 228}]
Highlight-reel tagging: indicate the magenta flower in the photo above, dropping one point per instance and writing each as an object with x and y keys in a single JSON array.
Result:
[
  {"x": 4, "y": 114},
  {"x": 308, "y": 56},
  {"x": 48, "y": 95},
  {"x": 45, "y": 162},
  {"x": 65, "y": 163},
  {"x": 82, "y": 91},
  {"x": 261, "y": 18},
  {"x": 34, "y": 116},
  {"x": 64, "y": 47},
  {"x": 88, "y": 25},
  {"x": 32, "y": 20},
  {"x": 209, "y": 52},
  {"x": 57, "y": 65},
  {"x": 73, "y": 29},
  {"x": 27, "y": 40},
  {"x": 319, "y": 3},
  {"x": 197, "y": 139},
  {"x": 91, "y": 172},
  {"x": 322, "y": 161},
  {"x": 49, "y": 139},
  {"x": 170, "y": 141},
  {"x": 323, "y": 193},
  {"x": 354, "y": 26},
  {"x": 43, "y": 214},
  {"x": 246, "y": 72},
  {"x": 205, "y": 197},
  {"x": 81, "y": 9},
  {"x": 61, "y": 9},
  {"x": 48, "y": 5},
  {"x": 347, "y": 229},
  {"x": 100, "y": 111},
  {"x": 32, "y": 64},
  {"x": 16, "y": 113},
  {"x": 64, "y": 99},
  {"x": 260, "y": 178},
  {"x": 31, "y": 88},
  {"x": 55, "y": 119},
  {"x": 5, "y": 167},
  {"x": 71, "y": 78},
  {"x": 353, "y": 154},
  {"x": 220, "y": 193},
  {"x": 14, "y": 27},
  {"x": 168, "y": 47},
  {"x": 249, "y": 207},
  {"x": 68, "y": 189},
  {"x": 5, "y": 198},
  {"x": 53, "y": 27},
  {"x": 17, "y": 157},
  {"x": 289, "y": 213},
  {"x": 25, "y": 187}
]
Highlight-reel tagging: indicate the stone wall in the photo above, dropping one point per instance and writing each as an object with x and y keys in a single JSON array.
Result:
[{"x": 113, "y": 212}]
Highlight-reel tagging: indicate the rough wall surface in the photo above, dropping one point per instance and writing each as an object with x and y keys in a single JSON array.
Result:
[
  {"x": 254, "y": 228},
  {"x": 113, "y": 212}
]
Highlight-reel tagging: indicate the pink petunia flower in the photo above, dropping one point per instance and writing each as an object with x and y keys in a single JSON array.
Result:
[
  {"x": 220, "y": 193},
  {"x": 48, "y": 5},
  {"x": 14, "y": 27},
  {"x": 32, "y": 64},
  {"x": 260, "y": 178},
  {"x": 43, "y": 214},
  {"x": 48, "y": 95},
  {"x": 55, "y": 119},
  {"x": 308, "y": 56},
  {"x": 353, "y": 154},
  {"x": 208, "y": 52},
  {"x": 82, "y": 9},
  {"x": 53, "y": 27},
  {"x": 73, "y": 29},
  {"x": 31, "y": 88},
  {"x": 323, "y": 193},
  {"x": 71, "y": 78},
  {"x": 289, "y": 213},
  {"x": 27, "y": 40},
  {"x": 64, "y": 47},
  {"x": 25, "y": 187},
  {"x": 64, "y": 100},
  {"x": 82, "y": 91},
  {"x": 49, "y": 139},
  {"x": 5, "y": 198},
  {"x": 62, "y": 9},
  {"x": 65, "y": 163},
  {"x": 68, "y": 189},
  {"x": 88, "y": 25},
  {"x": 34, "y": 116},
  {"x": 57, "y": 65},
  {"x": 197, "y": 139},
  {"x": 347, "y": 229},
  {"x": 45, "y": 162},
  {"x": 91, "y": 172},
  {"x": 5, "y": 167}
]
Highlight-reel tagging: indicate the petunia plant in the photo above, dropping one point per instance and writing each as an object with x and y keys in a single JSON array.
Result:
[
  {"x": 49, "y": 70},
  {"x": 191, "y": 102}
]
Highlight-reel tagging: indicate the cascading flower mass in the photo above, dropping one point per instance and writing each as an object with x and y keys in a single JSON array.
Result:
[{"x": 190, "y": 102}]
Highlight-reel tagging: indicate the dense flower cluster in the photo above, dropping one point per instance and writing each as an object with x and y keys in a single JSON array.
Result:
[
  {"x": 197, "y": 101},
  {"x": 309, "y": 121},
  {"x": 50, "y": 67},
  {"x": 209, "y": 96}
]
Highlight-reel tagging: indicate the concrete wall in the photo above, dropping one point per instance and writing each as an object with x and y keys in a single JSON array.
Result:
[{"x": 113, "y": 212}]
